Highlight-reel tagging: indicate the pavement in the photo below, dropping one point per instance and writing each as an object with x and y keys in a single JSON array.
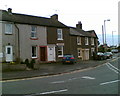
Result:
[{"x": 51, "y": 69}]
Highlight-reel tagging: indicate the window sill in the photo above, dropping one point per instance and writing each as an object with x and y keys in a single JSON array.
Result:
[
  {"x": 35, "y": 38},
  {"x": 8, "y": 33},
  {"x": 34, "y": 57},
  {"x": 59, "y": 39},
  {"x": 60, "y": 56}
]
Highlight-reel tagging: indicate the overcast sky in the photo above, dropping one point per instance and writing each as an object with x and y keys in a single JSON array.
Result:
[{"x": 91, "y": 13}]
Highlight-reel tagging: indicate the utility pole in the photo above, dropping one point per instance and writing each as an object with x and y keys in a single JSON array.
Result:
[
  {"x": 103, "y": 34},
  {"x": 113, "y": 38}
]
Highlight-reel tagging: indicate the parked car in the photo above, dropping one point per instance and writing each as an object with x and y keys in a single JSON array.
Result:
[
  {"x": 68, "y": 58},
  {"x": 108, "y": 54},
  {"x": 100, "y": 56},
  {"x": 114, "y": 50}
]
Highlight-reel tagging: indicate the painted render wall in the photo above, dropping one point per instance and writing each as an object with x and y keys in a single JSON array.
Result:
[
  {"x": 8, "y": 39},
  {"x": 26, "y": 42},
  {"x": 1, "y": 53}
]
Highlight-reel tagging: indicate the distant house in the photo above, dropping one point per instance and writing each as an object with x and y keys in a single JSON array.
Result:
[
  {"x": 43, "y": 39},
  {"x": 83, "y": 43}
]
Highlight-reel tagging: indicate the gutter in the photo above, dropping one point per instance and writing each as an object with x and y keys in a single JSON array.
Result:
[{"x": 18, "y": 57}]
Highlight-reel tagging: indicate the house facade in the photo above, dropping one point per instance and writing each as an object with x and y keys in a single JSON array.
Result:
[
  {"x": 43, "y": 39},
  {"x": 84, "y": 42},
  {"x": 32, "y": 37},
  {"x": 57, "y": 40}
]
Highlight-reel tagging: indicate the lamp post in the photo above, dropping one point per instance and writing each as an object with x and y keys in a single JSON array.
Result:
[
  {"x": 105, "y": 29},
  {"x": 113, "y": 38}
]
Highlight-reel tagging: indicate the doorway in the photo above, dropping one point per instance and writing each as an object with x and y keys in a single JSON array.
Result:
[
  {"x": 9, "y": 53},
  {"x": 43, "y": 52}
]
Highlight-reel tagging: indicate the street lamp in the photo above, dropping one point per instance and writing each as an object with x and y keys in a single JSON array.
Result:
[
  {"x": 113, "y": 38},
  {"x": 105, "y": 29}
]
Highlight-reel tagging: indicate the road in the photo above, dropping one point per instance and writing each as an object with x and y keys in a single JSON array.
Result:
[{"x": 100, "y": 80}]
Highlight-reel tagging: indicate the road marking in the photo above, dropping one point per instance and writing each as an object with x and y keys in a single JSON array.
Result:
[
  {"x": 54, "y": 91},
  {"x": 50, "y": 92},
  {"x": 112, "y": 68},
  {"x": 72, "y": 79},
  {"x": 109, "y": 82},
  {"x": 87, "y": 77},
  {"x": 57, "y": 82}
]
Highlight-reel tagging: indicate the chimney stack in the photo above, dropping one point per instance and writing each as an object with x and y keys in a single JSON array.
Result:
[
  {"x": 54, "y": 17},
  {"x": 10, "y": 10},
  {"x": 79, "y": 25}
]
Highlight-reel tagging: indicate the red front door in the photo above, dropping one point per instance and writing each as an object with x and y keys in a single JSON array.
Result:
[{"x": 42, "y": 53}]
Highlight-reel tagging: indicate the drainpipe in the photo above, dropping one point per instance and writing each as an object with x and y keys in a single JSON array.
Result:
[{"x": 18, "y": 57}]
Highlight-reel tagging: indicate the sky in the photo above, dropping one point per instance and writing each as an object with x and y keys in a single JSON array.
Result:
[{"x": 91, "y": 13}]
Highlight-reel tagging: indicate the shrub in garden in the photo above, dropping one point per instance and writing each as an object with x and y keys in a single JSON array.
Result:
[
  {"x": 27, "y": 63},
  {"x": 32, "y": 63}
]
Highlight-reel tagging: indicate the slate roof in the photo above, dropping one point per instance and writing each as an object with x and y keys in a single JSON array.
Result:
[
  {"x": 29, "y": 19},
  {"x": 80, "y": 32}
]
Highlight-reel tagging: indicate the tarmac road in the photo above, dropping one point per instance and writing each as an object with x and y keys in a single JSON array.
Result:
[{"x": 100, "y": 80}]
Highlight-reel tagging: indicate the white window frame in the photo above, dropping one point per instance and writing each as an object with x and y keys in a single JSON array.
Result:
[
  {"x": 34, "y": 32},
  {"x": 92, "y": 41},
  {"x": 92, "y": 50},
  {"x": 79, "y": 52},
  {"x": 59, "y": 33},
  {"x": 10, "y": 28},
  {"x": 32, "y": 52},
  {"x": 86, "y": 41},
  {"x": 61, "y": 51},
  {"x": 78, "y": 40}
]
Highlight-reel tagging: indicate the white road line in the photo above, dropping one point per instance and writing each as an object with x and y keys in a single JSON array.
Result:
[
  {"x": 54, "y": 91},
  {"x": 72, "y": 79},
  {"x": 112, "y": 69},
  {"x": 50, "y": 92},
  {"x": 57, "y": 82},
  {"x": 109, "y": 82},
  {"x": 87, "y": 77}
]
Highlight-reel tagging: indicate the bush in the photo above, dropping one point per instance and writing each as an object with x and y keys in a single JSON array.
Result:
[
  {"x": 32, "y": 63},
  {"x": 27, "y": 63}
]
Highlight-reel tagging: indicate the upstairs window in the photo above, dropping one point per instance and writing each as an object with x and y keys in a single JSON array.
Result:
[
  {"x": 33, "y": 32},
  {"x": 78, "y": 40},
  {"x": 86, "y": 40},
  {"x": 8, "y": 28},
  {"x": 59, "y": 34},
  {"x": 92, "y": 41}
]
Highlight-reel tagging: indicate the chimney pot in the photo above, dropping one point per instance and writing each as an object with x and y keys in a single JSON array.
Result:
[
  {"x": 54, "y": 17},
  {"x": 79, "y": 25},
  {"x": 10, "y": 10}
]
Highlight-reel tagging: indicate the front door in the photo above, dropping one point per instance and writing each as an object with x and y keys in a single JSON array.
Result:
[
  {"x": 51, "y": 53},
  {"x": 42, "y": 53},
  {"x": 9, "y": 54}
]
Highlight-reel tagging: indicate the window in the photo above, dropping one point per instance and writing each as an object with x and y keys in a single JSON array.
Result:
[
  {"x": 8, "y": 28},
  {"x": 34, "y": 52},
  {"x": 59, "y": 34},
  {"x": 78, "y": 40},
  {"x": 33, "y": 32},
  {"x": 8, "y": 50},
  {"x": 60, "y": 51},
  {"x": 92, "y": 51},
  {"x": 79, "y": 53},
  {"x": 86, "y": 40},
  {"x": 92, "y": 41}
]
